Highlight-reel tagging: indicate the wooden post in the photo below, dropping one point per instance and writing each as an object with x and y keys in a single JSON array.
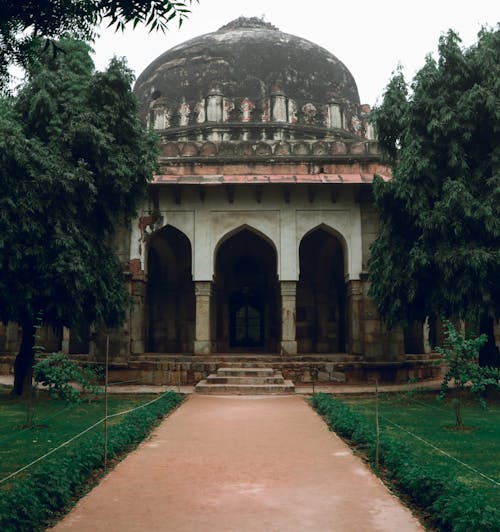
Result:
[
  {"x": 376, "y": 425},
  {"x": 106, "y": 406}
]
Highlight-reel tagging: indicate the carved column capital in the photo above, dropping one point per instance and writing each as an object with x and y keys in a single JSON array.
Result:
[
  {"x": 203, "y": 288},
  {"x": 288, "y": 288}
]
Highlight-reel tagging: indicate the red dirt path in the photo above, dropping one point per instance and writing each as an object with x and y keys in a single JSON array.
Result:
[{"x": 240, "y": 463}]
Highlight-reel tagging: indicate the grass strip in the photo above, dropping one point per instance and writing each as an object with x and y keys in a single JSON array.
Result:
[
  {"x": 450, "y": 504},
  {"x": 33, "y": 501}
]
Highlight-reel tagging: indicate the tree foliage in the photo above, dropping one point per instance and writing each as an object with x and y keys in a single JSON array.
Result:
[
  {"x": 24, "y": 23},
  {"x": 438, "y": 251},
  {"x": 74, "y": 160}
]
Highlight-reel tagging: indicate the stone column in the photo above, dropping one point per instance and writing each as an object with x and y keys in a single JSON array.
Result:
[
  {"x": 138, "y": 317},
  {"x": 288, "y": 338},
  {"x": 354, "y": 317},
  {"x": 203, "y": 344},
  {"x": 65, "y": 340},
  {"x": 12, "y": 337}
]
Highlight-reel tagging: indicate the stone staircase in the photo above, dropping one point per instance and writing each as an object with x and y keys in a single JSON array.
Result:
[{"x": 245, "y": 381}]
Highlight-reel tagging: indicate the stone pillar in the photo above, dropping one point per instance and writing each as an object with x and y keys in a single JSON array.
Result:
[
  {"x": 335, "y": 115},
  {"x": 354, "y": 317},
  {"x": 288, "y": 338},
  {"x": 203, "y": 343},
  {"x": 138, "y": 317},
  {"x": 215, "y": 106},
  {"x": 278, "y": 107},
  {"x": 65, "y": 340},
  {"x": 12, "y": 337}
]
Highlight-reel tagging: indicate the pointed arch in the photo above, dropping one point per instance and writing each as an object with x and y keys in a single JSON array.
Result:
[
  {"x": 321, "y": 292},
  {"x": 246, "y": 292},
  {"x": 170, "y": 300},
  {"x": 335, "y": 233},
  {"x": 240, "y": 228}
]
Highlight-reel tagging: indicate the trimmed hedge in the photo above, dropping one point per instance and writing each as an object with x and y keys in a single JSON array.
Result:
[
  {"x": 452, "y": 505},
  {"x": 35, "y": 500}
]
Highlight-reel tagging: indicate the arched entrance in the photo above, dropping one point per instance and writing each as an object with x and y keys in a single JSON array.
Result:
[
  {"x": 170, "y": 293},
  {"x": 321, "y": 294},
  {"x": 246, "y": 294}
]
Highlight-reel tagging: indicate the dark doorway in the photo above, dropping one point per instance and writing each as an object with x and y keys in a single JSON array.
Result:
[
  {"x": 170, "y": 293},
  {"x": 246, "y": 294},
  {"x": 321, "y": 295},
  {"x": 246, "y": 320}
]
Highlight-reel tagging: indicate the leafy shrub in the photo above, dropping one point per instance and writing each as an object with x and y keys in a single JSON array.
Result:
[
  {"x": 31, "y": 502},
  {"x": 460, "y": 354},
  {"x": 453, "y": 505},
  {"x": 60, "y": 374},
  {"x": 464, "y": 510}
]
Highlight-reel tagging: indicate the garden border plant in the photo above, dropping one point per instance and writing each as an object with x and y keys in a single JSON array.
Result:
[
  {"x": 450, "y": 504},
  {"x": 34, "y": 500}
]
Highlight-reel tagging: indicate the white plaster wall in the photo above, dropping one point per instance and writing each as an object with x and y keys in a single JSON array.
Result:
[
  {"x": 136, "y": 240},
  {"x": 208, "y": 223}
]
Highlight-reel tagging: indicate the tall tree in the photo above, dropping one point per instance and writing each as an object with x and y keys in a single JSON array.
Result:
[
  {"x": 438, "y": 251},
  {"x": 74, "y": 160},
  {"x": 24, "y": 23}
]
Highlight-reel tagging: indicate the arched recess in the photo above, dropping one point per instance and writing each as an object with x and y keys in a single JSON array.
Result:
[
  {"x": 246, "y": 293},
  {"x": 251, "y": 229},
  {"x": 338, "y": 235},
  {"x": 170, "y": 298},
  {"x": 321, "y": 293}
]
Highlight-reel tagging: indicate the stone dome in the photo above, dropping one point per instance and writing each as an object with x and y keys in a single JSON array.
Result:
[{"x": 249, "y": 72}]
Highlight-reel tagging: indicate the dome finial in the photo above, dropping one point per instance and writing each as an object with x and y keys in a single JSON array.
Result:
[{"x": 248, "y": 22}]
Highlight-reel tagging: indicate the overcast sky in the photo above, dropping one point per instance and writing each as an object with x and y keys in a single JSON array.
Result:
[{"x": 369, "y": 36}]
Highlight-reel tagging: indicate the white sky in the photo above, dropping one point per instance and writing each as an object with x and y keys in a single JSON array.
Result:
[{"x": 369, "y": 36}]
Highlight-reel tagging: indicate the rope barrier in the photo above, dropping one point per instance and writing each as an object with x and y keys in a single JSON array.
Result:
[
  {"x": 441, "y": 451},
  {"x": 425, "y": 404},
  {"x": 404, "y": 398},
  {"x": 64, "y": 444},
  {"x": 51, "y": 451},
  {"x": 67, "y": 408}
]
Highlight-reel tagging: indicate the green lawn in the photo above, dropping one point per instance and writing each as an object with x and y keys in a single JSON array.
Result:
[
  {"x": 431, "y": 420},
  {"x": 54, "y": 422}
]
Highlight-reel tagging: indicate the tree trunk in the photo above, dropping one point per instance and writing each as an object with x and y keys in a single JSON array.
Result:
[
  {"x": 488, "y": 354},
  {"x": 23, "y": 365},
  {"x": 458, "y": 411}
]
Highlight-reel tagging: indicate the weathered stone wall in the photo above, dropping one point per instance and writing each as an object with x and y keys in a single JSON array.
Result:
[
  {"x": 182, "y": 370},
  {"x": 369, "y": 228}
]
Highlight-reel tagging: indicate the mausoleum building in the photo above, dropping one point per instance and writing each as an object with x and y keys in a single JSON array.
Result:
[{"x": 255, "y": 238}]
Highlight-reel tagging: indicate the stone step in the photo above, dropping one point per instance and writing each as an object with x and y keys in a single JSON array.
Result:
[
  {"x": 245, "y": 389},
  {"x": 245, "y": 372},
  {"x": 245, "y": 381},
  {"x": 277, "y": 378}
]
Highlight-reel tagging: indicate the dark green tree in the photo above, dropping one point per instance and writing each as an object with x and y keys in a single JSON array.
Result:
[
  {"x": 74, "y": 160},
  {"x": 438, "y": 251},
  {"x": 24, "y": 25}
]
